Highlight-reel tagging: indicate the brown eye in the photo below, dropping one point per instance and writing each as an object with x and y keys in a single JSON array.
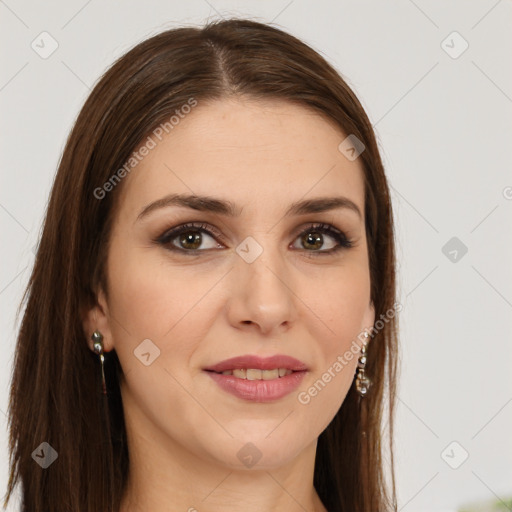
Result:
[
  {"x": 313, "y": 238},
  {"x": 189, "y": 239}
]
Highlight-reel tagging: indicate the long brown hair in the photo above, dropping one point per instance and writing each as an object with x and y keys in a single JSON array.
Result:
[{"x": 55, "y": 395}]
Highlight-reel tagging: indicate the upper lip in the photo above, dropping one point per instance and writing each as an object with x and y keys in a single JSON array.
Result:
[{"x": 257, "y": 362}]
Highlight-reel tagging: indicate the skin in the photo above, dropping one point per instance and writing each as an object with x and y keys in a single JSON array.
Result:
[{"x": 184, "y": 431}]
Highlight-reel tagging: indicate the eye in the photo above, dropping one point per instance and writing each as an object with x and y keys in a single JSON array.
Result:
[
  {"x": 313, "y": 238},
  {"x": 188, "y": 239}
]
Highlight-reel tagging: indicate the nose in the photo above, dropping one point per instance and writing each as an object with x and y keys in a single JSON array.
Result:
[{"x": 263, "y": 299}]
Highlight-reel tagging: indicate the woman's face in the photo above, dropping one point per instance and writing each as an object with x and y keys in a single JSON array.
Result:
[{"x": 258, "y": 281}]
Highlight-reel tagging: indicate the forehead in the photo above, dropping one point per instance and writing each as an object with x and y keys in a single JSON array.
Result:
[{"x": 248, "y": 151}]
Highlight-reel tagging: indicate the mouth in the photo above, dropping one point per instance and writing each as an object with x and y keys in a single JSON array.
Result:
[
  {"x": 257, "y": 367},
  {"x": 256, "y": 374},
  {"x": 258, "y": 379}
]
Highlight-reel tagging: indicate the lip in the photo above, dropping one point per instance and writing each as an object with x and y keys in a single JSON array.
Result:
[
  {"x": 258, "y": 362},
  {"x": 258, "y": 390}
]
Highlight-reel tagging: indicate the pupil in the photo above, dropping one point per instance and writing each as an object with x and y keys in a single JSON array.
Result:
[
  {"x": 314, "y": 240},
  {"x": 191, "y": 238}
]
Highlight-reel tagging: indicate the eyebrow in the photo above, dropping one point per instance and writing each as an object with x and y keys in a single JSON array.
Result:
[{"x": 229, "y": 209}]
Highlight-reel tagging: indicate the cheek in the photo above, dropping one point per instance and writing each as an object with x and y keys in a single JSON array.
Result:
[
  {"x": 151, "y": 297},
  {"x": 338, "y": 300},
  {"x": 335, "y": 311},
  {"x": 160, "y": 310}
]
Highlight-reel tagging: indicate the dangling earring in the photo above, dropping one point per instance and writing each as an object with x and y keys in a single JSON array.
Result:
[
  {"x": 97, "y": 339},
  {"x": 362, "y": 381}
]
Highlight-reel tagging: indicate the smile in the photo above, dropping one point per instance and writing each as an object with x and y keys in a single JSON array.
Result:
[
  {"x": 256, "y": 374},
  {"x": 256, "y": 385}
]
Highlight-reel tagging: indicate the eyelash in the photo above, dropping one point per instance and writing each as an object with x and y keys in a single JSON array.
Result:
[{"x": 169, "y": 235}]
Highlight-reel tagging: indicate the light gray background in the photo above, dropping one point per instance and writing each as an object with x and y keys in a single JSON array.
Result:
[{"x": 444, "y": 128}]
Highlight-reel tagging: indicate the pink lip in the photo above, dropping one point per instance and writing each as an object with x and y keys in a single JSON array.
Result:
[
  {"x": 258, "y": 390},
  {"x": 257, "y": 362}
]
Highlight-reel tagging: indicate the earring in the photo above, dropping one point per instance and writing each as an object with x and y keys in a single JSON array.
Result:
[
  {"x": 97, "y": 339},
  {"x": 362, "y": 382}
]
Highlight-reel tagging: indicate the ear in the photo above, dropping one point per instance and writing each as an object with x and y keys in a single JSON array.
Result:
[
  {"x": 368, "y": 318},
  {"x": 97, "y": 319}
]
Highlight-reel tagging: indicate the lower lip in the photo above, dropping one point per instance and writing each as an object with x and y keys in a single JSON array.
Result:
[{"x": 258, "y": 390}]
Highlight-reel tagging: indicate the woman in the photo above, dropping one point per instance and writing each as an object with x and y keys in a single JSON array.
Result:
[{"x": 210, "y": 321}]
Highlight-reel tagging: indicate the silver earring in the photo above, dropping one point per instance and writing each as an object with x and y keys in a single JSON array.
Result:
[
  {"x": 97, "y": 339},
  {"x": 362, "y": 381}
]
